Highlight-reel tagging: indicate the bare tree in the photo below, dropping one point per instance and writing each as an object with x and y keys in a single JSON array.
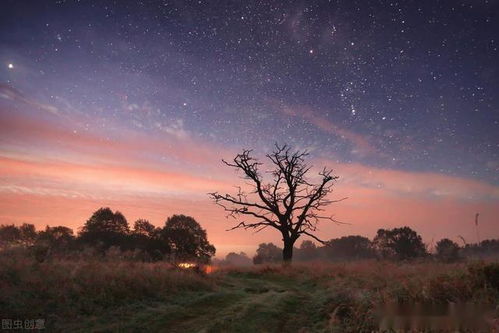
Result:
[{"x": 288, "y": 202}]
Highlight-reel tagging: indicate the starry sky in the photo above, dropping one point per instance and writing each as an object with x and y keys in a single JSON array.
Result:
[{"x": 132, "y": 104}]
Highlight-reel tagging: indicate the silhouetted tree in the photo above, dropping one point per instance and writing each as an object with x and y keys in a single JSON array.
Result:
[
  {"x": 348, "y": 248},
  {"x": 28, "y": 234},
  {"x": 399, "y": 243},
  {"x": 307, "y": 251},
  {"x": 289, "y": 202},
  {"x": 147, "y": 238},
  {"x": 56, "y": 237},
  {"x": 447, "y": 250},
  {"x": 10, "y": 235},
  {"x": 53, "y": 240},
  {"x": 144, "y": 227},
  {"x": 186, "y": 240},
  {"x": 267, "y": 253},
  {"x": 105, "y": 229},
  {"x": 237, "y": 259},
  {"x": 487, "y": 247}
]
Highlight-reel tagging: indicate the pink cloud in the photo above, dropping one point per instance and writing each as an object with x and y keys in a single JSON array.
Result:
[
  {"x": 52, "y": 175},
  {"x": 360, "y": 142}
]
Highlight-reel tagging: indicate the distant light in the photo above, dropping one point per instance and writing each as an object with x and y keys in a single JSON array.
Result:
[
  {"x": 185, "y": 104},
  {"x": 311, "y": 51},
  {"x": 10, "y": 66},
  {"x": 186, "y": 265}
]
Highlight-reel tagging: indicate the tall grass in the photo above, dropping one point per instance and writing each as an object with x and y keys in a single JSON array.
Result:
[
  {"x": 64, "y": 290},
  {"x": 346, "y": 297},
  {"x": 315, "y": 297}
]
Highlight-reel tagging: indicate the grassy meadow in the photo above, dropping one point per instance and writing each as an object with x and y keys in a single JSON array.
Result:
[{"x": 90, "y": 295}]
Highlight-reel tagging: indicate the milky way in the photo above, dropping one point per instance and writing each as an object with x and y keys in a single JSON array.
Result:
[{"x": 410, "y": 85}]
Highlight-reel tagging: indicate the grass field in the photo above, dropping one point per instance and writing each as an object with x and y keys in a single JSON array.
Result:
[{"x": 114, "y": 296}]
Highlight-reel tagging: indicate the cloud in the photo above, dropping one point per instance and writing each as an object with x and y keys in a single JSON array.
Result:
[
  {"x": 425, "y": 185},
  {"x": 175, "y": 128},
  {"x": 50, "y": 178},
  {"x": 50, "y": 137},
  {"x": 9, "y": 93},
  {"x": 145, "y": 115},
  {"x": 360, "y": 143},
  {"x": 52, "y": 174}
]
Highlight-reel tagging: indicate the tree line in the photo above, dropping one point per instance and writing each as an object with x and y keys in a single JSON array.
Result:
[
  {"x": 180, "y": 239},
  {"x": 183, "y": 239},
  {"x": 389, "y": 244}
]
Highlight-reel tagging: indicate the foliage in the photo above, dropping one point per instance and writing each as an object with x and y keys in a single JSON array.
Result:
[
  {"x": 486, "y": 248},
  {"x": 447, "y": 250},
  {"x": 186, "y": 239},
  {"x": 106, "y": 233},
  {"x": 147, "y": 238},
  {"x": 399, "y": 243},
  {"x": 307, "y": 251},
  {"x": 267, "y": 253},
  {"x": 349, "y": 248},
  {"x": 144, "y": 227},
  {"x": 11, "y": 235},
  {"x": 105, "y": 228},
  {"x": 236, "y": 259}
]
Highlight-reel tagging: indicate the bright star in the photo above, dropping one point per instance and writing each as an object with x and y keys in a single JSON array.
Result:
[{"x": 10, "y": 66}]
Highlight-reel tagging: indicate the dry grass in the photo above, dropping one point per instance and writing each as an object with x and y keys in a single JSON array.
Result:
[
  {"x": 68, "y": 289},
  {"x": 116, "y": 295}
]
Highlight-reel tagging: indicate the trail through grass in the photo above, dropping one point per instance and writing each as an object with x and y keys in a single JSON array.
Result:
[
  {"x": 95, "y": 296},
  {"x": 242, "y": 303}
]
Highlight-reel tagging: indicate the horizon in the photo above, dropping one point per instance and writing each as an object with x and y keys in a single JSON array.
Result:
[{"x": 133, "y": 107}]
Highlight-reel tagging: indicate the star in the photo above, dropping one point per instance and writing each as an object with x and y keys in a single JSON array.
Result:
[{"x": 10, "y": 66}]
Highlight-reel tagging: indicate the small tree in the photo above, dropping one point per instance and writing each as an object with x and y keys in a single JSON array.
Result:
[
  {"x": 307, "y": 251},
  {"x": 145, "y": 240},
  {"x": 56, "y": 238},
  {"x": 289, "y": 202},
  {"x": 447, "y": 250},
  {"x": 53, "y": 240},
  {"x": 267, "y": 253},
  {"x": 349, "y": 247},
  {"x": 105, "y": 228},
  {"x": 28, "y": 234},
  {"x": 10, "y": 235},
  {"x": 237, "y": 259},
  {"x": 186, "y": 239},
  {"x": 399, "y": 243}
]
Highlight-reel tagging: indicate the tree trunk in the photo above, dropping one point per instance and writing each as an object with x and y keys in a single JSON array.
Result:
[{"x": 287, "y": 251}]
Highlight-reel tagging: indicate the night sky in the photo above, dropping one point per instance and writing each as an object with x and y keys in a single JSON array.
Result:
[{"x": 133, "y": 104}]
